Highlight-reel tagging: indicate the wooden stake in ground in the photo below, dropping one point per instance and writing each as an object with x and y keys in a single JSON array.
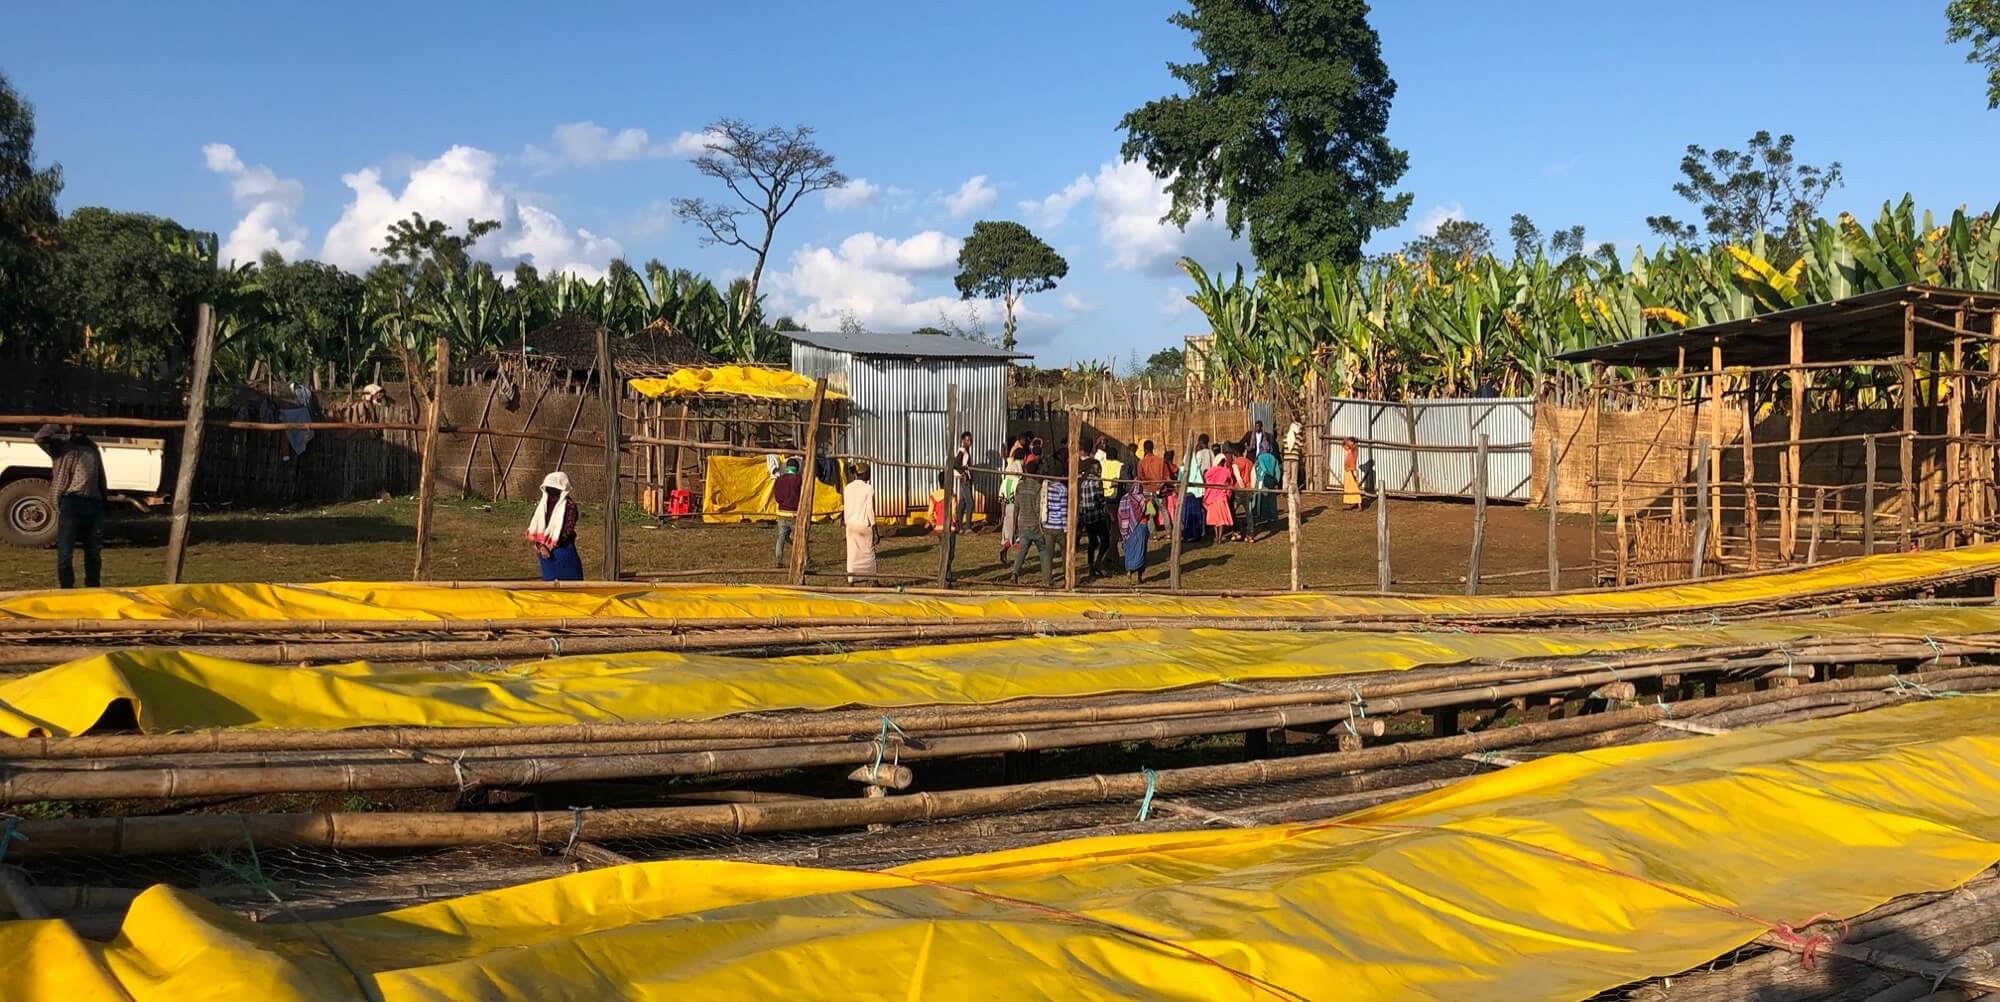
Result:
[
  {"x": 1868, "y": 495},
  {"x": 1292, "y": 517},
  {"x": 607, "y": 393},
  {"x": 1909, "y": 440},
  {"x": 1954, "y": 430},
  {"x": 1179, "y": 514},
  {"x": 1819, "y": 511},
  {"x": 1701, "y": 510},
  {"x": 949, "y": 520},
  {"x": 1478, "y": 515},
  {"x": 1550, "y": 496},
  {"x": 1792, "y": 451},
  {"x": 1750, "y": 471},
  {"x": 802, "y": 519},
  {"x": 1716, "y": 384},
  {"x": 1623, "y": 545},
  {"x": 427, "y": 459},
  {"x": 1381, "y": 535},
  {"x": 1069, "y": 520},
  {"x": 204, "y": 352}
]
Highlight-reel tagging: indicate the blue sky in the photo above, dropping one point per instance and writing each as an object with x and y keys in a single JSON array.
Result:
[{"x": 309, "y": 127}]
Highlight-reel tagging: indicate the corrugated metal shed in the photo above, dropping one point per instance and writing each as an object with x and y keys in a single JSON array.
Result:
[
  {"x": 896, "y": 386},
  {"x": 1507, "y": 422}
]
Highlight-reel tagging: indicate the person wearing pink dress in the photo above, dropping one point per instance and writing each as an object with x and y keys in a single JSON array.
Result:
[{"x": 1215, "y": 500}]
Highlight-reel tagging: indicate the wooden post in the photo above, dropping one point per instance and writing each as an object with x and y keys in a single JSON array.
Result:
[
  {"x": 1819, "y": 512},
  {"x": 1983, "y": 483},
  {"x": 1716, "y": 383},
  {"x": 1069, "y": 521},
  {"x": 681, "y": 433},
  {"x": 1478, "y": 515},
  {"x": 947, "y": 539},
  {"x": 1750, "y": 469},
  {"x": 607, "y": 394},
  {"x": 1909, "y": 488},
  {"x": 1291, "y": 480},
  {"x": 1868, "y": 495},
  {"x": 1180, "y": 512},
  {"x": 1596, "y": 458},
  {"x": 472, "y": 452},
  {"x": 1552, "y": 495},
  {"x": 1702, "y": 511},
  {"x": 427, "y": 460},
  {"x": 1954, "y": 429},
  {"x": 1792, "y": 451},
  {"x": 1381, "y": 534},
  {"x": 1622, "y": 545},
  {"x": 802, "y": 519},
  {"x": 197, "y": 415}
]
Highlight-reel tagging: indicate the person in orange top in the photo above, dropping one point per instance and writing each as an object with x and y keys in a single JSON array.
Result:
[
  {"x": 1241, "y": 465},
  {"x": 1153, "y": 477}
]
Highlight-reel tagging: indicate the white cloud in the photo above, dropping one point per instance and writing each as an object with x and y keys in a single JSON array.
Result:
[
  {"x": 877, "y": 280},
  {"x": 975, "y": 194},
  {"x": 462, "y": 184},
  {"x": 1176, "y": 304},
  {"x": 929, "y": 251},
  {"x": 269, "y": 203},
  {"x": 1130, "y": 203},
  {"x": 1076, "y": 304},
  {"x": 1050, "y": 212},
  {"x": 1438, "y": 215},
  {"x": 650, "y": 222},
  {"x": 853, "y": 195},
  {"x": 581, "y": 144},
  {"x": 692, "y": 144}
]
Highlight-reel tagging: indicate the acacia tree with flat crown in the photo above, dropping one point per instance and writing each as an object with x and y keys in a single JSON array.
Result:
[
  {"x": 768, "y": 170},
  {"x": 1004, "y": 261},
  {"x": 1283, "y": 120}
]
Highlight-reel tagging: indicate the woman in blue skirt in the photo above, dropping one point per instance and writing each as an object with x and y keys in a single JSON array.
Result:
[{"x": 553, "y": 531}]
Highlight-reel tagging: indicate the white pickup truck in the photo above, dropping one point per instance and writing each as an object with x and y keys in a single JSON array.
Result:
[{"x": 27, "y": 516}]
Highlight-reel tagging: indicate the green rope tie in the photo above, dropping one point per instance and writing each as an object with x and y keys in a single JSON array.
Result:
[
  {"x": 882, "y": 745},
  {"x": 1146, "y": 802},
  {"x": 8, "y": 833}
]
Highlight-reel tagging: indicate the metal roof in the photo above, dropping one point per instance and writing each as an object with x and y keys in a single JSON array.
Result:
[
  {"x": 902, "y": 345},
  {"x": 1859, "y": 328}
]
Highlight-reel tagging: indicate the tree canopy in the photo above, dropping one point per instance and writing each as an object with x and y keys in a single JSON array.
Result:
[
  {"x": 768, "y": 171},
  {"x": 28, "y": 219},
  {"x": 1284, "y": 121},
  {"x": 1761, "y": 189},
  {"x": 1978, "y": 22},
  {"x": 1003, "y": 260},
  {"x": 1454, "y": 238}
]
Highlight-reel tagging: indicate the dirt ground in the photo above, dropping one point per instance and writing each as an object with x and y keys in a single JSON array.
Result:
[{"x": 372, "y": 540}]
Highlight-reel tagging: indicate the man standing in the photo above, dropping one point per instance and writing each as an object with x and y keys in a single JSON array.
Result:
[
  {"x": 961, "y": 464},
  {"x": 1028, "y": 501},
  {"x": 1255, "y": 440},
  {"x": 76, "y": 486},
  {"x": 786, "y": 492}
]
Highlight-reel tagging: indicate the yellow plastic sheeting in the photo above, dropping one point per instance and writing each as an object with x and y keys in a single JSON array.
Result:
[
  {"x": 407, "y": 602},
  {"x": 731, "y": 380},
  {"x": 740, "y": 489},
  {"x": 1455, "y": 895},
  {"x": 175, "y": 691}
]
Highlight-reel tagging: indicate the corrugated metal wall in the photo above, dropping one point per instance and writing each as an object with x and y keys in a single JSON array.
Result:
[
  {"x": 897, "y": 413},
  {"x": 1507, "y": 422}
]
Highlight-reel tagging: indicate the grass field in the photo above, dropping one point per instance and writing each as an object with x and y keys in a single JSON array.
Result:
[{"x": 372, "y": 540}]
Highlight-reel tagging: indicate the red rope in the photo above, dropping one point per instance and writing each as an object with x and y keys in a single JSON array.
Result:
[{"x": 1806, "y": 946}]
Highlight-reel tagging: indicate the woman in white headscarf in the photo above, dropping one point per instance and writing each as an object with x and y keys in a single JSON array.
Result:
[{"x": 553, "y": 531}]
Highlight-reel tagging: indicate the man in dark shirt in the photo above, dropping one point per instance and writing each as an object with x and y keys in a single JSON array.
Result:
[
  {"x": 76, "y": 488},
  {"x": 1254, "y": 441},
  {"x": 787, "y": 490}
]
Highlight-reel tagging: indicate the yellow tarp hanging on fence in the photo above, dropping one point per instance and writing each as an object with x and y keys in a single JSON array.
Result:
[
  {"x": 1479, "y": 890},
  {"x": 170, "y": 690},
  {"x": 731, "y": 380},
  {"x": 739, "y": 489},
  {"x": 407, "y": 602}
]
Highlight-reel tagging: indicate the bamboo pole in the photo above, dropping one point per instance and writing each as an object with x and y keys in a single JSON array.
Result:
[
  {"x": 184, "y": 833},
  {"x": 1983, "y": 484},
  {"x": 472, "y": 452},
  {"x": 1596, "y": 459},
  {"x": 1291, "y": 477},
  {"x": 1716, "y": 384},
  {"x": 1552, "y": 495},
  {"x": 1797, "y": 380},
  {"x": 802, "y": 519},
  {"x": 1478, "y": 517},
  {"x": 427, "y": 460},
  {"x": 1069, "y": 520},
  {"x": 191, "y": 433},
  {"x": 608, "y": 391},
  {"x": 1868, "y": 497},
  {"x": 1624, "y": 547},
  {"x": 1702, "y": 512},
  {"x": 1954, "y": 430},
  {"x": 1749, "y": 474},
  {"x": 1180, "y": 510},
  {"x": 1819, "y": 512},
  {"x": 947, "y": 536},
  {"x": 1909, "y": 385},
  {"x": 1382, "y": 580}
]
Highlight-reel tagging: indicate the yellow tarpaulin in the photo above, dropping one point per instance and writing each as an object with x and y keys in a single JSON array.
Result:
[
  {"x": 1481, "y": 890},
  {"x": 739, "y": 489},
  {"x": 731, "y": 380},
  {"x": 176, "y": 691},
  {"x": 407, "y": 602}
]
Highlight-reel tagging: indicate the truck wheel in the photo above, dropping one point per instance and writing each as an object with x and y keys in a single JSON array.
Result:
[{"x": 27, "y": 518}]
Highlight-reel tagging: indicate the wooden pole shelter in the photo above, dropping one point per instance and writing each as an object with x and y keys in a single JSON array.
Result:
[
  {"x": 1381, "y": 534},
  {"x": 948, "y": 523},
  {"x": 1716, "y": 384},
  {"x": 1551, "y": 495},
  {"x": 1909, "y": 441},
  {"x": 1478, "y": 516},
  {"x": 1702, "y": 510},
  {"x": 204, "y": 354},
  {"x": 1868, "y": 495},
  {"x": 1069, "y": 519},
  {"x": 608, "y": 388},
  {"x": 1178, "y": 521},
  {"x": 802, "y": 519},
  {"x": 427, "y": 458}
]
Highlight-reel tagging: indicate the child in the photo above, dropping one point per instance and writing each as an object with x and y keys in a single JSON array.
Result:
[
  {"x": 937, "y": 505},
  {"x": 1350, "y": 475}
]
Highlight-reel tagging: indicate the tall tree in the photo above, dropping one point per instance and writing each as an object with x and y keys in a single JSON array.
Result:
[
  {"x": 768, "y": 170},
  {"x": 1458, "y": 239},
  {"x": 1526, "y": 236},
  {"x": 1003, "y": 260},
  {"x": 1760, "y": 189},
  {"x": 1978, "y": 22},
  {"x": 28, "y": 219},
  {"x": 1283, "y": 120}
]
